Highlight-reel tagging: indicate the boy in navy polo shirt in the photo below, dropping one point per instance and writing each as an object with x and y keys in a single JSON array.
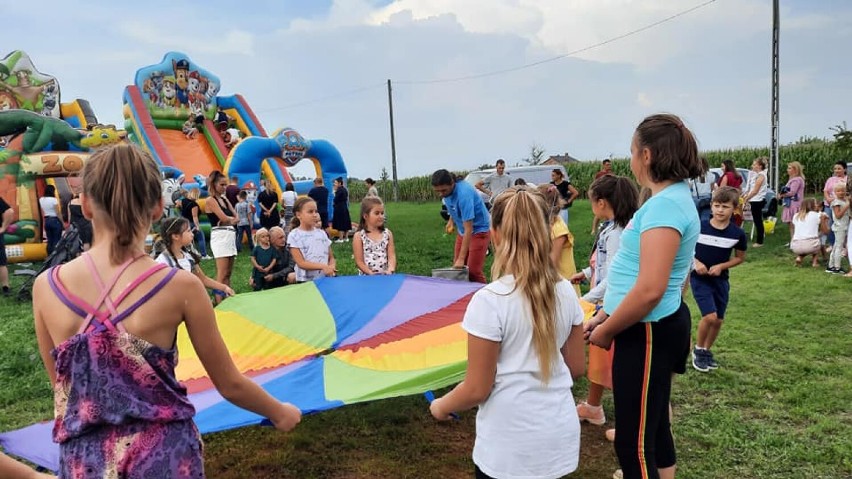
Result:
[{"x": 709, "y": 280}]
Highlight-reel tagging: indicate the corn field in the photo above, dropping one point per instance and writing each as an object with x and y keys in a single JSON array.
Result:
[{"x": 816, "y": 159}]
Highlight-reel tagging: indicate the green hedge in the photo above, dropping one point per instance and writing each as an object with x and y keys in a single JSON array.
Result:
[{"x": 816, "y": 159}]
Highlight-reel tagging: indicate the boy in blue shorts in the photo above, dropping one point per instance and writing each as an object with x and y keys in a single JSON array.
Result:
[{"x": 709, "y": 280}]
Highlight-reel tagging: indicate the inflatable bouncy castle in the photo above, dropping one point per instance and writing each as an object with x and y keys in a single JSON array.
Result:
[
  {"x": 169, "y": 99},
  {"x": 42, "y": 142}
]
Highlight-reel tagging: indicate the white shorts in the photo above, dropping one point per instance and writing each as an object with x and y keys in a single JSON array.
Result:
[
  {"x": 803, "y": 247},
  {"x": 223, "y": 241}
]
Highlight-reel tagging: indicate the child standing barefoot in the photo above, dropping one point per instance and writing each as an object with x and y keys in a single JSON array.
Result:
[
  {"x": 524, "y": 345},
  {"x": 372, "y": 245},
  {"x": 309, "y": 244},
  {"x": 129, "y": 416},
  {"x": 263, "y": 259},
  {"x": 614, "y": 200},
  {"x": 643, "y": 310}
]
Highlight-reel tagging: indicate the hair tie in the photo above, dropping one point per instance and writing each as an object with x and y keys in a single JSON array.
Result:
[{"x": 679, "y": 125}]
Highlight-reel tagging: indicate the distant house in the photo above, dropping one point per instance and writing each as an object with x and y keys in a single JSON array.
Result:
[{"x": 563, "y": 159}]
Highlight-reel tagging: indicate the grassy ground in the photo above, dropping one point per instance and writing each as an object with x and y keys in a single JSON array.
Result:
[{"x": 778, "y": 407}]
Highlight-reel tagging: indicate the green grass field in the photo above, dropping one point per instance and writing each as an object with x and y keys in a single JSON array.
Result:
[{"x": 779, "y": 406}]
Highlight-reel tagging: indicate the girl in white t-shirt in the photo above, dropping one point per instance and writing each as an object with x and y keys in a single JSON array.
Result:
[
  {"x": 176, "y": 238},
  {"x": 808, "y": 223},
  {"x": 524, "y": 346},
  {"x": 309, "y": 245}
]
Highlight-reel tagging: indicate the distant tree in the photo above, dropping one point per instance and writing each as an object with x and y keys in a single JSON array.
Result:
[
  {"x": 842, "y": 138},
  {"x": 809, "y": 140},
  {"x": 484, "y": 166},
  {"x": 384, "y": 176},
  {"x": 536, "y": 154}
]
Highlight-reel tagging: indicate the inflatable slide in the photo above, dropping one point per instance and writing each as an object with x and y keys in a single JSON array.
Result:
[
  {"x": 42, "y": 142},
  {"x": 169, "y": 98}
]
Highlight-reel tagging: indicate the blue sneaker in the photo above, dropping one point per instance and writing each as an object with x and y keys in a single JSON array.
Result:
[
  {"x": 699, "y": 360},
  {"x": 709, "y": 360}
]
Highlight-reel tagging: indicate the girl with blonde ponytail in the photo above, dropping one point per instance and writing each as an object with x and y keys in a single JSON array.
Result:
[{"x": 524, "y": 346}]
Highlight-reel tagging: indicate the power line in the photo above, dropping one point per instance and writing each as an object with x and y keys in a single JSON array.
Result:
[
  {"x": 558, "y": 57},
  {"x": 324, "y": 98}
]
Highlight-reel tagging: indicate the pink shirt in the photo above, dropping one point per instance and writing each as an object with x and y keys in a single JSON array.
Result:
[{"x": 828, "y": 191}]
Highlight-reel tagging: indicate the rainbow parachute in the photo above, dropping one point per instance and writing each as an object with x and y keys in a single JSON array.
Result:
[{"x": 318, "y": 345}]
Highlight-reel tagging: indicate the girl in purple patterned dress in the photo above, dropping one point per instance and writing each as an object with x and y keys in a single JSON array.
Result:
[
  {"x": 111, "y": 356},
  {"x": 373, "y": 246}
]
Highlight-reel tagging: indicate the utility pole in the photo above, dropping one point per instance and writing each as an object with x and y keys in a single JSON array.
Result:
[
  {"x": 774, "y": 159},
  {"x": 393, "y": 144}
]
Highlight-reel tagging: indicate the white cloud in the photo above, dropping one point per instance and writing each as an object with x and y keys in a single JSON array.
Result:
[
  {"x": 232, "y": 41},
  {"x": 711, "y": 67},
  {"x": 563, "y": 26},
  {"x": 643, "y": 100},
  {"x": 810, "y": 21}
]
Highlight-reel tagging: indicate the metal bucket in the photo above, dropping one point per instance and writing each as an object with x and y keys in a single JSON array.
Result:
[{"x": 456, "y": 274}]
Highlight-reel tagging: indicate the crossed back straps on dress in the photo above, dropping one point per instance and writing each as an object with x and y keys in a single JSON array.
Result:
[{"x": 95, "y": 318}]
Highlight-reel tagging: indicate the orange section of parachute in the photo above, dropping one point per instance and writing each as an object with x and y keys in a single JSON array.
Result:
[
  {"x": 429, "y": 349},
  {"x": 193, "y": 156},
  {"x": 252, "y": 347},
  {"x": 438, "y": 347}
]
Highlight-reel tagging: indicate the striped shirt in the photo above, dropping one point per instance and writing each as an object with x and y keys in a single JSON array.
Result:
[{"x": 715, "y": 245}]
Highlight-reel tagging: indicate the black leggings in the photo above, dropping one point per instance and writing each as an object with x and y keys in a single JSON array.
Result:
[
  {"x": 757, "y": 215},
  {"x": 646, "y": 356},
  {"x": 478, "y": 474}
]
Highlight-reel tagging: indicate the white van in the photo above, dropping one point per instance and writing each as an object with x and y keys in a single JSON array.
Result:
[{"x": 535, "y": 174}]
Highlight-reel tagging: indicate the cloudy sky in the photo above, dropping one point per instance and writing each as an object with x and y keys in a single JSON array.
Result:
[{"x": 320, "y": 66}]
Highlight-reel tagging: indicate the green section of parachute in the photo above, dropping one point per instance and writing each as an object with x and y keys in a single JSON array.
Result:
[
  {"x": 352, "y": 384},
  {"x": 297, "y": 311}
]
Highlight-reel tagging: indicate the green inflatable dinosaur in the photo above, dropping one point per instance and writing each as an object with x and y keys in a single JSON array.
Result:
[{"x": 38, "y": 130}]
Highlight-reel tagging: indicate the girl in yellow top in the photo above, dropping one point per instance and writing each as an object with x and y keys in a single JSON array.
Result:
[{"x": 562, "y": 241}]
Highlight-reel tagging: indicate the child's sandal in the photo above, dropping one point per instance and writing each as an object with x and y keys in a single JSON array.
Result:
[{"x": 798, "y": 261}]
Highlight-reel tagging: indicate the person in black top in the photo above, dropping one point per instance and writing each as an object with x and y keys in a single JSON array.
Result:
[
  {"x": 319, "y": 193},
  {"x": 567, "y": 192},
  {"x": 341, "y": 221},
  {"x": 223, "y": 235},
  {"x": 189, "y": 210},
  {"x": 269, "y": 216},
  {"x": 76, "y": 218},
  {"x": 8, "y": 214}
]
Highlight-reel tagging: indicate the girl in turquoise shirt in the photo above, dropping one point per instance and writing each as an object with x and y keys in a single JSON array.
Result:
[{"x": 643, "y": 312}]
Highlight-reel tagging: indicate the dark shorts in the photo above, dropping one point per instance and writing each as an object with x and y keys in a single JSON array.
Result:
[
  {"x": 3, "y": 259},
  {"x": 710, "y": 293}
]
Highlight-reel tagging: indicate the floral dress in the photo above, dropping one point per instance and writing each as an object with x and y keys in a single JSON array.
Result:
[{"x": 375, "y": 252}]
